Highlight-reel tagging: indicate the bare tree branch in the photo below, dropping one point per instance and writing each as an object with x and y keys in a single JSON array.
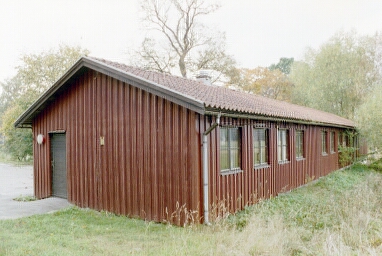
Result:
[{"x": 178, "y": 24}]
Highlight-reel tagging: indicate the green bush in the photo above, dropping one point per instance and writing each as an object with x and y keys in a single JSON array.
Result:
[
  {"x": 376, "y": 165},
  {"x": 347, "y": 155}
]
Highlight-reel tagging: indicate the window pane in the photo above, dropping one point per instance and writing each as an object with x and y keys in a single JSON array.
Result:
[
  {"x": 279, "y": 147},
  {"x": 256, "y": 155},
  {"x": 229, "y": 148},
  {"x": 263, "y": 157},
  {"x": 266, "y": 153},
  {"x": 256, "y": 142},
  {"x": 331, "y": 141},
  {"x": 223, "y": 137},
  {"x": 300, "y": 144},
  {"x": 256, "y": 135},
  {"x": 234, "y": 148},
  {"x": 323, "y": 138},
  {"x": 339, "y": 141},
  {"x": 235, "y": 156},
  {"x": 261, "y": 134},
  {"x": 224, "y": 163},
  {"x": 260, "y": 146},
  {"x": 283, "y": 152},
  {"x": 224, "y": 153},
  {"x": 234, "y": 137},
  {"x": 282, "y": 136},
  {"x": 282, "y": 149}
]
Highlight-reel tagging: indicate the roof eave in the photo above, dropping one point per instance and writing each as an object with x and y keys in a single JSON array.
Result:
[
  {"x": 214, "y": 111},
  {"x": 25, "y": 119}
]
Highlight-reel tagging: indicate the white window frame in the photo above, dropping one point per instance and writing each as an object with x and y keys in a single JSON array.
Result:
[
  {"x": 283, "y": 145},
  {"x": 324, "y": 143},
  {"x": 300, "y": 148},
  {"x": 263, "y": 150},
  {"x": 232, "y": 150},
  {"x": 331, "y": 142}
]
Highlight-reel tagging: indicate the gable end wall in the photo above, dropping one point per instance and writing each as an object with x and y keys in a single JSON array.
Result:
[{"x": 150, "y": 160}]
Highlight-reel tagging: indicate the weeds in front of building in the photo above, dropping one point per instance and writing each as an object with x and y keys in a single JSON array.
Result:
[{"x": 338, "y": 214}]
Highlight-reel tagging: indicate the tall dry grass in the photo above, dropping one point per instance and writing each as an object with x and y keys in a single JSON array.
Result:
[{"x": 339, "y": 215}]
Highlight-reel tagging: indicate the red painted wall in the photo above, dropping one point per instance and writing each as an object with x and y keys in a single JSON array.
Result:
[
  {"x": 233, "y": 192},
  {"x": 150, "y": 165},
  {"x": 150, "y": 160}
]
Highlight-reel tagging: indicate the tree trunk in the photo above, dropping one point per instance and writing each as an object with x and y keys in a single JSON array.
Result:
[{"x": 182, "y": 66}]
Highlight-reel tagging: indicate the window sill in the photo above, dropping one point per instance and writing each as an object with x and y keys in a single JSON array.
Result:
[
  {"x": 284, "y": 162},
  {"x": 324, "y": 154},
  {"x": 229, "y": 172},
  {"x": 300, "y": 158},
  {"x": 261, "y": 166}
]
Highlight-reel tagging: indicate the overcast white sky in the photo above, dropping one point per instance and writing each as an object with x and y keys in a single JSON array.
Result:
[{"x": 258, "y": 32}]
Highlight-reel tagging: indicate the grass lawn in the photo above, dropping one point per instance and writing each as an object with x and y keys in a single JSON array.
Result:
[{"x": 338, "y": 215}]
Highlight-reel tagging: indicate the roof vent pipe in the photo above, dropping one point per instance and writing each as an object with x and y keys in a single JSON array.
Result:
[
  {"x": 205, "y": 170},
  {"x": 204, "y": 76}
]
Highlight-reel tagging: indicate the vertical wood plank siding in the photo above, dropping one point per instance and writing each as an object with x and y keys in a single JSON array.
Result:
[
  {"x": 150, "y": 164},
  {"x": 150, "y": 160},
  {"x": 233, "y": 192}
]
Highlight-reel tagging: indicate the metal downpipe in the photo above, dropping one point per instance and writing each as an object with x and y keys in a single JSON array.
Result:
[{"x": 205, "y": 170}]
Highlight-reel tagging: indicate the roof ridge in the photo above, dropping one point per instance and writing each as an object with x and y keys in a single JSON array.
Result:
[
  {"x": 138, "y": 68},
  {"x": 225, "y": 98}
]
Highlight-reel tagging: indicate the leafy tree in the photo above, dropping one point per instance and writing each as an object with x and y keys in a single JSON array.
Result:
[
  {"x": 183, "y": 41},
  {"x": 35, "y": 75},
  {"x": 18, "y": 142},
  {"x": 369, "y": 117},
  {"x": 337, "y": 77},
  {"x": 284, "y": 65},
  {"x": 269, "y": 83},
  {"x": 10, "y": 93}
]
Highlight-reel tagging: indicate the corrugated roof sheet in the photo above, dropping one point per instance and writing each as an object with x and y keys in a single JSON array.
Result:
[{"x": 226, "y": 99}]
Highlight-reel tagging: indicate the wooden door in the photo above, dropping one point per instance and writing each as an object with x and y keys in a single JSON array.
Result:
[{"x": 58, "y": 162}]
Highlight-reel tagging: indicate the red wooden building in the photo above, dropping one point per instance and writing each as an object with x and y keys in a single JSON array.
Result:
[{"x": 159, "y": 147}]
